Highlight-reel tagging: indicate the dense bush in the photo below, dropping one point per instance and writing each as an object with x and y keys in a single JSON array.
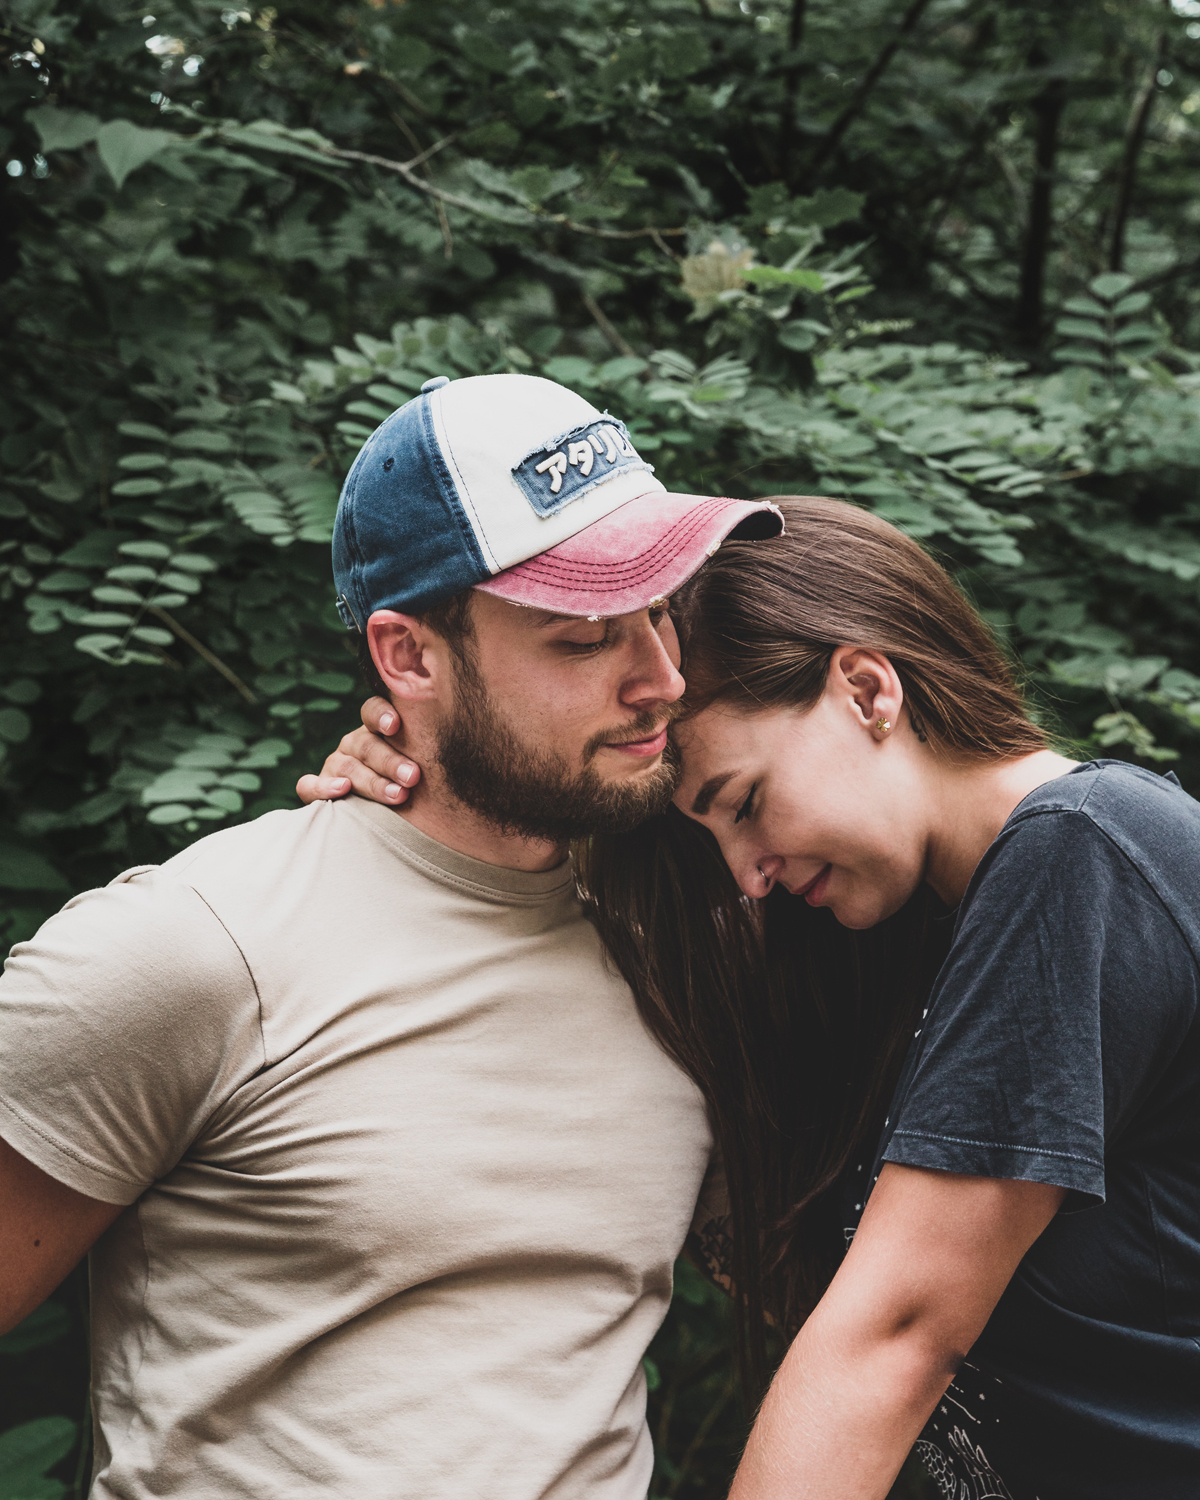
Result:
[{"x": 935, "y": 258}]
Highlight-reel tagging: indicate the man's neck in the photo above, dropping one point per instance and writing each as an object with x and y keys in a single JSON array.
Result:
[{"x": 439, "y": 815}]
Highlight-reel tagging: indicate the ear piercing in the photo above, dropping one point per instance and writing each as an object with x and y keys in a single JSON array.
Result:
[{"x": 883, "y": 725}]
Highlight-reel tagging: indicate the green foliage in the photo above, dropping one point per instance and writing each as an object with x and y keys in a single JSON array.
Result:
[
  {"x": 29, "y": 1452},
  {"x": 232, "y": 241}
]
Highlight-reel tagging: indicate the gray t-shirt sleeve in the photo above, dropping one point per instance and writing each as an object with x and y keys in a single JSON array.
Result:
[
  {"x": 124, "y": 1022},
  {"x": 1066, "y": 994}
]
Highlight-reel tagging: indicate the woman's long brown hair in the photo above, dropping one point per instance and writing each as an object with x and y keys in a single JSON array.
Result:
[{"x": 793, "y": 1027}]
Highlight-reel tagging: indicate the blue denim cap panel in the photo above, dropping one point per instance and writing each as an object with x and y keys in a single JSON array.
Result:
[{"x": 400, "y": 539}]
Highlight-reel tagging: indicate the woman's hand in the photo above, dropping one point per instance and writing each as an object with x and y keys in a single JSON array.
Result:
[{"x": 366, "y": 762}]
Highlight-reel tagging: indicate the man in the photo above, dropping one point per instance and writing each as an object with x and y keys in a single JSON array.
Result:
[{"x": 381, "y": 1174}]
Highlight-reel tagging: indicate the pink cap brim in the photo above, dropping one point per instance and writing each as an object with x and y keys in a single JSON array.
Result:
[{"x": 637, "y": 554}]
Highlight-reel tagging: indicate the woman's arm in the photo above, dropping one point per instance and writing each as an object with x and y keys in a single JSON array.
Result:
[
  {"x": 931, "y": 1257},
  {"x": 365, "y": 762}
]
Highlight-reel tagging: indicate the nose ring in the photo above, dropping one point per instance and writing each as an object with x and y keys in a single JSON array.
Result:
[{"x": 762, "y": 872}]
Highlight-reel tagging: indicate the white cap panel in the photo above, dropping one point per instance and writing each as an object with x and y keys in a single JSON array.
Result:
[{"x": 485, "y": 426}]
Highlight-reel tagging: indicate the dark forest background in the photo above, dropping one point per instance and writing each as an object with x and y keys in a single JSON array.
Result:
[{"x": 937, "y": 256}]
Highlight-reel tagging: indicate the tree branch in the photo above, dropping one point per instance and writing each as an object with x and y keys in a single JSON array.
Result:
[
  {"x": 202, "y": 650},
  {"x": 1139, "y": 119},
  {"x": 829, "y": 141},
  {"x": 405, "y": 169},
  {"x": 603, "y": 324}
]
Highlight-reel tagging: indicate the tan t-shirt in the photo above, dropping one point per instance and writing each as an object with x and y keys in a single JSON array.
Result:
[{"x": 407, "y": 1174}]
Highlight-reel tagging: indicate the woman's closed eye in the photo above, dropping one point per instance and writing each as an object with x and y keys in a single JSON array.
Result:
[{"x": 747, "y": 806}]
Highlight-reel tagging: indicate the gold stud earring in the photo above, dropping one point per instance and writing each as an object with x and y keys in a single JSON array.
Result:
[{"x": 883, "y": 725}]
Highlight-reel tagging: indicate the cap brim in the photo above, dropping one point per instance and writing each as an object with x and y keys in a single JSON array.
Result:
[{"x": 637, "y": 554}]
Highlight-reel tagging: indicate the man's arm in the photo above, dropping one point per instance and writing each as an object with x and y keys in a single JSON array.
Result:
[
  {"x": 931, "y": 1257},
  {"x": 45, "y": 1230}
]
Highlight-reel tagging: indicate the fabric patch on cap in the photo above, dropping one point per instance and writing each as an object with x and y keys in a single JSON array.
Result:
[{"x": 567, "y": 468}]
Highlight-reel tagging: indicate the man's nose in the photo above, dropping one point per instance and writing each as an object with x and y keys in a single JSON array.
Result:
[{"x": 654, "y": 677}]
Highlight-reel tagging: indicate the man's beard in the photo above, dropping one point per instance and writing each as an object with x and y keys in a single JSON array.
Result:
[{"x": 533, "y": 793}]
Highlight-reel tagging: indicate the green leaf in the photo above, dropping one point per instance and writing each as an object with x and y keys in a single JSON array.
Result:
[
  {"x": 25, "y": 870},
  {"x": 143, "y": 430},
  {"x": 15, "y": 726},
  {"x": 65, "y": 582},
  {"x": 169, "y": 812},
  {"x": 63, "y": 129},
  {"x": 112, "y": 593},
  {"x": 330, "y": 682},
  {"x": 144, "y": 549},
  {"x": 124, "y": 147},
  {"x": 45, "y": 1325},
  {"x": 772, "y": 276},
  {"x": 1082, "y": 328},
  {"x": 138, "y": 487},
  {"x": 226, "y": 798},
  {"x": 1086, "y": 307},
  {"x": 28, "y": 1452},
  {"x": 1111, "y": 285},
  {"x": 153, "y": 636},
  {"x": 203, "y": 440},
  {"x": 142, "y": 461},
  {"x": 132, "y": 573},
  {"x": 266, "y": 753}
]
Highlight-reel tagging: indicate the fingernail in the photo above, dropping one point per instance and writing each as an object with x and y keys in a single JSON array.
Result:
[
  {"x": 387, "y": 723},
  {"x": 391, "y": 791},
  {"x": 404, "y": 775},
  {"x": 343, "y": 783}
]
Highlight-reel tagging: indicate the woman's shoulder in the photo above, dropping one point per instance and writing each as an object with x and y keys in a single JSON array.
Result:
[
  {"x": 1121, "y": 799},
  {"x": 1108, "y": 811}
]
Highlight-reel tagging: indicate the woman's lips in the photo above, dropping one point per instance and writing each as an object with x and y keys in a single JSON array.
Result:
[
  {"x": 815, "y": 889},
  {"x": 653, "y": 746}
]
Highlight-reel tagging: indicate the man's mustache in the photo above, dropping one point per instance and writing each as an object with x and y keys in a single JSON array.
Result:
[{"x": 643, "y": 726}]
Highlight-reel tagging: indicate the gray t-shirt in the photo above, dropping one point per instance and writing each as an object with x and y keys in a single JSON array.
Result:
[{"x": 406, "y": 1172}]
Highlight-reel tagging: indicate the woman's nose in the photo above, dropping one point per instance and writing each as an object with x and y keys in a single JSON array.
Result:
[{"x": 760, "y": 874}]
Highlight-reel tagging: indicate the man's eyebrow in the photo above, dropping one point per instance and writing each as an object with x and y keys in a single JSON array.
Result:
[
  {"x": 543, "y": 618},
  {"x": 704, "y": 797}
]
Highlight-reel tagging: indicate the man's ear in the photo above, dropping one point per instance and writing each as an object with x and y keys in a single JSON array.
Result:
[
  {"x": 870, "y": 686},
  {"x": 409, "y": 656}
]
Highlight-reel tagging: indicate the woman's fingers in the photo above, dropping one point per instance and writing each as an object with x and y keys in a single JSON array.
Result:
[
  {"x": 377, "y": 755},
  {"x": 312, "y": 788},
  {"x": 366, "y": 763},
  {"x": 380, "y": 716}
]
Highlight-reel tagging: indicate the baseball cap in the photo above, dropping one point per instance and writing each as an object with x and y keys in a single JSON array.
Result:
[{"x": 518, "y": 486}]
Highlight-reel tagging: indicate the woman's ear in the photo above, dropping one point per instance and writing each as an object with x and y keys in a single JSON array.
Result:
[
  {"x": 399, "y": 646},
  {"x": 870, "y": 687}
]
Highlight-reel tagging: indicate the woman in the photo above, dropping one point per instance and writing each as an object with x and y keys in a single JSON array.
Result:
[{"x": 915, "y": 900}]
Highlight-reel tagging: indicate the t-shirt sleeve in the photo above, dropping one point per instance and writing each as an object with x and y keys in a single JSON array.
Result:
[
  {"x": 1066, "y": 994},
  {"x": 124, "y": 1022}
]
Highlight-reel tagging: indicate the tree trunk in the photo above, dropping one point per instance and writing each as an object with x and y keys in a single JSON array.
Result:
[
  {"x": 791, "y": 91},
  {"x": 1047, "y": 108},
  {"x": 1139, "y": 119}
]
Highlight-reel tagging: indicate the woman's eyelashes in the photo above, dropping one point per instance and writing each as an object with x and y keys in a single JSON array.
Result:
[{"x": 747, "y": 806}]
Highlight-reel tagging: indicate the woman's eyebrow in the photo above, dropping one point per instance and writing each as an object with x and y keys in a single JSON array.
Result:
[{"x": 704, "y": 797}]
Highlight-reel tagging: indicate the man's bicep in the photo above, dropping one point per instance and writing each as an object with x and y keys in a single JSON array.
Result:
[
  {"x": 45, "y": 1229},
  {"x": 124, "y": 1022}
]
